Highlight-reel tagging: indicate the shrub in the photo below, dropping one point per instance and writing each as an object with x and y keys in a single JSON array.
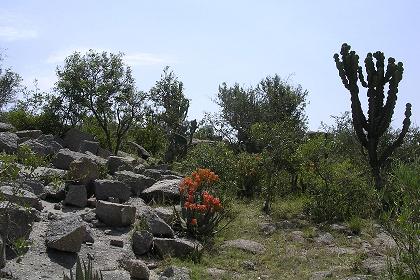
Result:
[
  {"x": 85, "y": 272},
  {"x": 248, "y": 174}
]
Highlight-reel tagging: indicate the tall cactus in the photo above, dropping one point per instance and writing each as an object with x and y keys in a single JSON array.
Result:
[{"x": 369, "y": 130}]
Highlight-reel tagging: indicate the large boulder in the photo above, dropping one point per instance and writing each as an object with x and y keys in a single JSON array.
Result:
[
  {"x": 46, "y": 175},
  {"x": 55, "y": 192},
  {"x": 89, "y": 146},
  {"x": 33, "y": 134},
  {"x": 138, "y": 269},
  {"x": 74, "y": 137},
  {"x": 35, "y": 187},
  {"x": 156, "y": 225},
  {"x": 8, "y": 142},
  {"x": 66, "y": 234},
  {"x": 52, "y": 143},
  {"x": 21, "y": 196},
  {"x": 83, "y": 170},
  {"x": 6, "y": 127},
  {"x": 16, "y": 221},
  {"x": 2, "y": 253},
  {"x": 142, "y": 242},
  {"x": 117, "y": 163},
  {"x": 64, "y": 157},
  {"x": 76, "y": 196},
  {"x": 115, "y": 214},
  {"x": 141, "y": 152},
  {"x": 136, "y": 182},
  {"x": 111, "y": 188},
  {"x": 165, "y": 190},
  {"x": 44, "y": 145},
  {"x": 176, "y": 247}
]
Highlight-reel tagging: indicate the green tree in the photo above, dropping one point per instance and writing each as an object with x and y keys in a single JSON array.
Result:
[
  {"x": 9, "y": 84},
  {"x": 101, "y": 85}
]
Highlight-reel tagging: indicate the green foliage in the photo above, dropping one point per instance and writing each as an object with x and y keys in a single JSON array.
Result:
[
  {"x": 371, "y": 129},
  {"x": 9, "y": 85},
  {"x": 152, "y": 137},
  {"x": 84, "y": 272},
  {"x": 248, "y": 174},
  {"x": 403, "y": 221}
]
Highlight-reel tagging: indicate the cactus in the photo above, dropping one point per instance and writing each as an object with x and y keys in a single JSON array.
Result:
[{"x": 370, "y": 129}]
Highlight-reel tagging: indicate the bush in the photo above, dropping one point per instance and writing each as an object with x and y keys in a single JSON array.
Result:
[
  {"x": 24, "y": 120},
  {"x": 248, "y": 174}
]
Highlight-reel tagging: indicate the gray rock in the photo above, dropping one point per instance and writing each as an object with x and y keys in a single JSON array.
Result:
[
  {"x": 245, "y": 245},
  {"x": 64, "y": 157},
  {"x": 8, "y": 142},
  {"x": 104, "y": 153},
  {"x": 116, "y": 275},
  {"x": 41, "y": 148},
  {"x": 165, "y": 213},
  {"x": 142, "y": 242},
  {"x": 154, "y": 173},
  {"x": 89, "y": 236},
  {"x": 268, "y": 228},
  {"x": 55, "y": 192},
  {"x": 2, "y": 253},
  {"x": 139, "y": 168},
  {"x": 166, "y": 190},
  {"x": 114, "y": 214},
  {"x": 66, "y": 235},
  {"x": 89, "y": 146},
  {"x": 116, "y": 163},
  {"x": 83, "y": 170},
  {"x": 76, "y": 196},
  {"x": 249, "y": 265},
  {"x": 136, "y": 182},
  {"x": 139, "y": 270},
  {"x": 16, "y": 221},
  {"x": 374, "y": 265},
  {"x": 74, "y": 137},
  {"x": 33, "y": 134},
  {"x": 117, "y": 242},
  {"x": 21, "y": 197},
  {"x": 96, "y": 159},
  {"x": 178, "y": 247},
  {"x": 6, "y": 127},
  {"x": 141, "y": 152},
  {"x": 53, "y": 143},
  {"x": 216, "y": 273},
  {"x": 46, "y": 175},
  {"x": 157, "y": 226},
  {"x": 175, "y": 273},
  {"x": 325, "y": 238},
  {"x": 319, "y": 275},
  {"x": 111, "y": 188},
  {"x": 138, "y": 203},
  {"x": 36, "y": 188}
]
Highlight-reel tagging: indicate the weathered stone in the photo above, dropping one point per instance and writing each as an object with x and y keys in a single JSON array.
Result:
[
  {"x": 116, "y": 275},
  {"x": 156, "y": 225},
  {"x": 320, "y": 275},
  {"x": 138, "y": 203},
  {"x": 6, "y": 127},
  {"x": 16, "y": 221},
  {"x": 36, "y": 147},
  {"x": 114, "y": 214},
  {"x": 142, "y": 242},
  {"x": 74, "y": 137},
  {"x": 35, "y": 133},
  {"x": 165, "y": 213},
  {"x": 66, "y": 235},
  {"x": 136, "y": 182},
  {"x": 89, "y": 146},
  {"x": 36, "y": 188},
  {"x": 64, "y": 157},
  {"x": 116, "y": 242},
  {"x": 139, "y": 270},
  {"x": 96, "y": 159},
  {"x": 76, "y": 196},
  {"x": 46, "y": 175},
  {"x": 175, "y": 273},
  {"x": 2, "y": 253},
  {"x": 91, "y": 203},
  {"x": 245, "y": 245},
  {"x": 154, "y": 173},
  {"x": 111, "y": 188},
  {"x": 89, "y": 237},
  {"x": 374, "y": 265},
  {"x": 178, "y": 247},
  {"x": 116, "y": 163},
  {"x": 8, "y": 142},
  {"x": 53, "y": 143},
  {"x": 216, "y": 273},
  {"x": 83, "y": 170},
  {"x": 166, "y": 190},
  {"x": 55, "y": 192},
  {"x": 325, "y": 238},
  {"x": 104, "y": 153},
  {"x": 21, "y": 197},
  {"x": 141, "y": 152}
]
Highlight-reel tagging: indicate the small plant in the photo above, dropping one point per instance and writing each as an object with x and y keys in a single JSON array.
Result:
[
  {"x": 355, "y": 225},
  {"x": 201, "y": 212},
  {"x": 85, "y": 272}
]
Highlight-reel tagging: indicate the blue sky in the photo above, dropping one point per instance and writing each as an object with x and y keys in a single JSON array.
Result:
[{"x": 210, "y": 42}]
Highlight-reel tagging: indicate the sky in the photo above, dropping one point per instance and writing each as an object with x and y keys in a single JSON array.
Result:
[{"x": 208, "y": 42}]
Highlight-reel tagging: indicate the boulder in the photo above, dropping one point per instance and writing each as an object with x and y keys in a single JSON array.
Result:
[
  {"x": 36, "y": 188},
  {"x": 74, "y": 137},
  {"x": 76, "y": 196},
  {"x": 16, "y": 221},
  {"x": 66, "y": 235},
  {"x": 141, "y": 152},
  {"x": 83, "y": 170},
  {"x": 6, "y": 127},
  {"x": 175, "y": 273},
  {"x": 245, "y": 245},
  {"x": 2, "y": 253},
  {"x": 21, "y": 197},
  {"x": 36, "y": 147},
  {"x": 138, "y": 270},
  {"x": 165, "y": 190},
  {"x": 116, "y": 163},
  {"x": 104, "y": 153},
  {"x": 116, "y": 275},
  {"x": 8, "y": 142},
  {"x": 111, "y": 188},
  {"x": 136, "y": 182},
  {"x": 53, "y": 143},
  {"x": 156, "y": 225},
  {"x": 114, "y": 214},
  {"x": 142, "y": 242},
  {"x": 165, "y": 213},
  {"x": 325, "y": 238},
  {"x": 154, "y": 173},
  {"x": 55, "y": 192},
  {"x": 47, "y": 175},
  {"x": 138, "y": 203},
  {"x": 33, "y": 134},
  {"x": 89, "y": 146},
  {"x": 64, "y": 157},
  {"x": 177, "y": 247}
]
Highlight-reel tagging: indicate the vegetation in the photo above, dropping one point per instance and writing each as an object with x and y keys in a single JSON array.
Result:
[
  {"x": 85, "y": 272},
  {"x": 9, "y": 84}
]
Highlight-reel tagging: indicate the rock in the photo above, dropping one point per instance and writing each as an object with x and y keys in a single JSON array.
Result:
[
  {"x": 325, "y": 238},
  {"x": 175, "y": 273},
  {"x": 64, "y": 157},
  {"x": 89, "y": 146},
  {"x": 116, "y": 163},
  {"x": 91, "y": 203},
  {"x": 6, "y": 127},
  {"x": 139, "y": 270},
  {"x": 116, "y": 242},
  {"x": 33, "y": 134},
  {"x": 297, "y": 236},
  {"x": 249, "y": 265},
  {"x": 76, "y": 196},
  {"x": 142, "y": 242},
  {"x": 36, "y": 147},
  {"x": 55, "y": 192},
  {"x": 320, "y": 275},
  {"x": 116, "y": 275},
  {"x": 154, "y": 173},
  {"x": 111, "y": 188},
  {"x": 36, "y": 188},
  {"x": 19, "y": 224},
  {"x": 165, "y": 213},
  {"x": 245, "y": 245},
  {"x": 74, "y": 137},
  {"x": 216, "y": 273},
  {"x": 8, "y": 142},
  {"x": 138, "y": 203},
  {"x": 83, "y": 171},
  {"x": 46, "y": 175},
  {"x": 166, "y": 190},
  {"x": 383, "y": 242},
  {"x": 268, "y": 228},
  {"x": 374, "y": 265},
  {"x": 139, "y": 168},
  {"x": 136, "y": 182},
  {"x": 178, "y": 247},
  {"x": 141, "y": 152},
  {"x": 89, "y": 237},
  {"x": 66, "y": 235},
  {"x": 156, "y": 225},
  {"x": 114, "y": 214},
  {"x": 21, "y": 197},
  {"x": 104, "y": 153},
  {"x": 2, "y": 253},
  {"x": 52, "y": 143}
]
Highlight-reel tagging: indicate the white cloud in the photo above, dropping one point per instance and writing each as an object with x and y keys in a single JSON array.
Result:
[
  {"x": 59, "y": 56},
  {"x": 15, "y": 27}
]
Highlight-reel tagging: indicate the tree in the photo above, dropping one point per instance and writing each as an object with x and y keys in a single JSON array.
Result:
[
  {"x": 9, "y": 85},
  {"x": 370, "y": 129},
  {"x": 100, "y": 85}
]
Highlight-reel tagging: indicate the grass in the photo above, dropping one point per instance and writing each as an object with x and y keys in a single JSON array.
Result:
[{"x": 284, "y": 257}]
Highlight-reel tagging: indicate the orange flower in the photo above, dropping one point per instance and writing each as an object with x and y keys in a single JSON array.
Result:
[{"x": 194, "y": 221}]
